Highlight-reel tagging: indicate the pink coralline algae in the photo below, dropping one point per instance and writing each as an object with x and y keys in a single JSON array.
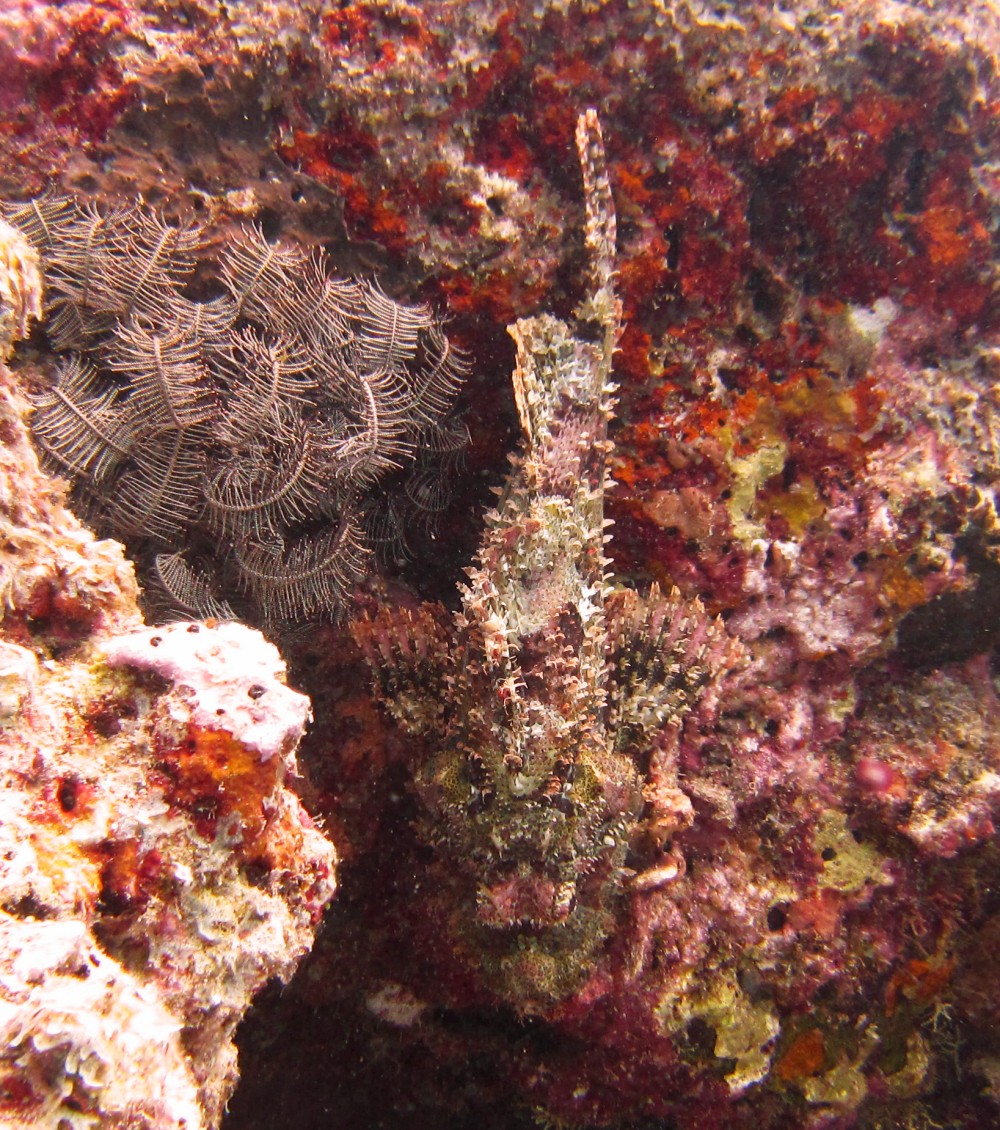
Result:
[
  {"x": 771, "y": 905},
  {"x": 156, "y": 871}
]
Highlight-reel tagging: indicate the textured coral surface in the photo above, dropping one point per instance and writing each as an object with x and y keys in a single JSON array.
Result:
[
  {"x": 155, "y": 869},
  {"x": 806, "y": 443}
]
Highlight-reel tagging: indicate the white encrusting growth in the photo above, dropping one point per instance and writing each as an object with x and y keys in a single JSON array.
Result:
[{"x": 234, "y": 676}]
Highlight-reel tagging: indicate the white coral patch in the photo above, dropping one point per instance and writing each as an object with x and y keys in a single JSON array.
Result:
[
  {"x": 233, "y": 676},
  {"x": 20, "y": 286},
  {"x": 86, "y": 1036}
]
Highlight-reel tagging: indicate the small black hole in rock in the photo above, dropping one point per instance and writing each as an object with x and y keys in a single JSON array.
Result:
[{"x": 68, "y": 789}]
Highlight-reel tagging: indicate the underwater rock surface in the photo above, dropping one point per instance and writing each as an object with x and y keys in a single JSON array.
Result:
[
  {"x": 155, "y": 868},
  {"x": 807, "y": 444}
]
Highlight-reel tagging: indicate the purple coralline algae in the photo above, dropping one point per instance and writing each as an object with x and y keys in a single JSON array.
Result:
[{"x": 570, "y": 896}]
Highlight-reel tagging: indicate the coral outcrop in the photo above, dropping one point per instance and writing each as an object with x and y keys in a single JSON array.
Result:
[
  {"x": 155, "y": 868},
  {"x": 20, "y": 286}
]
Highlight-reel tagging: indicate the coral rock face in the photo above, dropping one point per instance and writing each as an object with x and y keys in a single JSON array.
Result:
[
  {"x": 794, "y": 924},
  {"x": 548, "y": 693},
  {"x": 20, "y": 286},
  {"x": 71, "y": 1017},
  {"x": 155, "y": 869},
  {"x": 211, "y": 667}
]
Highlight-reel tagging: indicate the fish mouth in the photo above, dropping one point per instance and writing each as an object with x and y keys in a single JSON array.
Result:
[{"x": 527, "y": 898}]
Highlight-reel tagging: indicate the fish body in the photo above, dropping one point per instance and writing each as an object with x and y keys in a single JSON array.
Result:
[{"x": 543, "y": 696}]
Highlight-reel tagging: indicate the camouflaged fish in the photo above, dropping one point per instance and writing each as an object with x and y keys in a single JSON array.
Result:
[{"x": 545, "y": 697}]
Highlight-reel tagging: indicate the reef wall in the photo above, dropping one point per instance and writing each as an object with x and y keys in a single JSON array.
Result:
[{"x": 806, "y": 443}]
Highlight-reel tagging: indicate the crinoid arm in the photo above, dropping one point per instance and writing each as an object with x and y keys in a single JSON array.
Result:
[
  {"x": 306, "y": 577},
  {"x": 158, "y": 487},
  {"x": 269, "y": 486},
  {"x": 188, "y": 590},
  {"x": 264, "y": 383},
  {"x": 77, "y": 311},
  {"x": 167, "y": 378},
  {"x": 79, "y": 423},
  {"x": 41, "y": 220},
  {"x": 148, "y": 259},
  {"x": 104, "y": 266},
  {"x": 261, "y": 276},
  {"x": 440, "y": 370},
  {"x": 388, "y": 333}
]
